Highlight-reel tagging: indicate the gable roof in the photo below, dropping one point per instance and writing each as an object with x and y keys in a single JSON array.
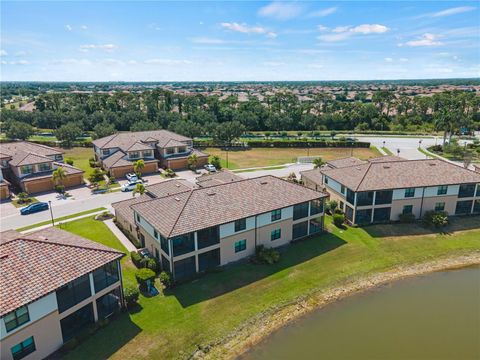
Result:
[
  {"x": 345, "y": 162},
  {"x": 398, "y": 174},
  {"x": 139, "y": 146},
  {"x": 220, "y": 177},
  {"x": 23, "y": 158},
  {"x": 11, "y": 148},
  {"x": 49, "y": 259},
  {"x": 205, "y": 207},
  {"x": 124, "y": 140}
]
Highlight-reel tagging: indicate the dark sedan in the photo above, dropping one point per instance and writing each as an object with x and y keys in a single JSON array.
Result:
[{"x": 33, "y": 208}]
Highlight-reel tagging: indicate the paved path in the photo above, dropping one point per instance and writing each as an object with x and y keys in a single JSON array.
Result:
[
  {"x": 61, "y": 222},
  {"x": 123, "y": 239}
]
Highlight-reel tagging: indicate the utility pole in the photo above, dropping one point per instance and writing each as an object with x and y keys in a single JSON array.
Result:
[{"x": 51, "y": 212}]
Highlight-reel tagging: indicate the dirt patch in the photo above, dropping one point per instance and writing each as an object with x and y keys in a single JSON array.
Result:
[{"x": 252, "y": 332}]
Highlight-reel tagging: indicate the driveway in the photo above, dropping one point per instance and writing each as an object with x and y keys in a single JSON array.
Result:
[{"x": 408, "y": 146}]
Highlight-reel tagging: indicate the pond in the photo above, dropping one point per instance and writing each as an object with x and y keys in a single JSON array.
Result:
[{"x": 436, "y": 316}]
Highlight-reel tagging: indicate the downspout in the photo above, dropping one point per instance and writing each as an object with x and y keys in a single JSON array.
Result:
[{"x": 421, "y": 204}]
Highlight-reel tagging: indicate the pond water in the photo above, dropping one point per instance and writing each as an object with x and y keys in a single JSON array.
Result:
[{"x": 436, "y": 316}]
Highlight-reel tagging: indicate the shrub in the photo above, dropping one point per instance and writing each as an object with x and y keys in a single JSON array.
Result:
[
  {"x": 338, "y": 219},
  {"x": 152, "y": 264},
  {"x": 131, "y": 294},
  {"x": 338, "y": 211},
  {"x": 60, "y": 189},
  {"x": 92, "y": 162},
  {"x": 169, "y": 173},
  {"x": 407, "y": 218},
  {"x": 266, "y": 255},
  {"x": 143, "y": 276},
  {"x": 166, "y": 279},
  {"x": 436, "y": 218},
  {"x": 136, "y": 258},
  {"x": 215, "y": 161},
  {"x": 331, "y": 206},
  {"x": 23, "y": 198},
  {"x": 69, "y": 161}
]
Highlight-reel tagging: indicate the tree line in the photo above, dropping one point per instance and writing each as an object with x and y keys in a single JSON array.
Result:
[{"x": 452, "y": 112}]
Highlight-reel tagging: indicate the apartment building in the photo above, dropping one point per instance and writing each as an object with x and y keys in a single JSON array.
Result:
[
  {"x": 29, "y": 166},
  {"x": 119, "y": 151},
  {"x": 54, "y": 285},
  {"x": 202, "y": 228},
  {"x": 381, "y": 189},
  {"x": 4, "y": 186}
]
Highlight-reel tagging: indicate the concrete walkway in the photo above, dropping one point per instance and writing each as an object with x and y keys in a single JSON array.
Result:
[{"x": 120, "y": 236}]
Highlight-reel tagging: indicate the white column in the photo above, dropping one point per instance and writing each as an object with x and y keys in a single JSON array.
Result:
[
  {"x": 195, "y": 241},
  {"x": 373, "y": 205},
  {"x": 92, "y": 284}
]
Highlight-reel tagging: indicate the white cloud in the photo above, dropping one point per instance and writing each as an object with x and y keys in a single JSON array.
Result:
[
  {"x": 426, "y": 39},
  {"x": 3, "y": 52},
  {"x": 315, "y": 66},
  {"x": 451, "y": 11},
  {"x": 106, "y": 47},
  {"x": 323, "y": 12},
  {"x": 244, "y": 28},
  {"x": 322, "y": 28},
  {"x": 84, "y": 27},
  {"x": 207, "y": 40},
  {"x": 166, "y": 62},
  {"x": 281, "y": 10},
  {"x": 273, "y": 63},
  {"x": 18, "y": 62},
  {"x": 68, "y": 27},
  {"x": 344, "y": 32},
  {"x": 388, "y": 59}
]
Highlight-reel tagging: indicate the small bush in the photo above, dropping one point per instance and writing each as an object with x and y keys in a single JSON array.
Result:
[
  {"x": 436, "y": 218},
  {"x": 266, "y": 255},
  {"x": 60, "y": 189},
  {"x": 23, "y": 198},
  {"x": 407, "y": 218},
  {"x": 169, "y": 173},
  {"x": 338, "y": 211},
  {"x": 131, "y": 295},
  {"x": 92, "y": 162},
  {"x": 215, "y": 161},
  {"x": 166, "y": 279},
  {"x": 331, "y": 206},
  {"x": 69, "y": 161},
  {"x": 338, "y": 219},
  {"x": 143, "y": 276},
  {"x": 152, "y": 264},
  {"x": 136, "y": 258}
]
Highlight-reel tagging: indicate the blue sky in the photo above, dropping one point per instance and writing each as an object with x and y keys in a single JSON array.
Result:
[{"x": 238, "y": 41}]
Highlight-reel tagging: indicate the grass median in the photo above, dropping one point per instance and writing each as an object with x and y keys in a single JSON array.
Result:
[{"x": 204, "y": 311}]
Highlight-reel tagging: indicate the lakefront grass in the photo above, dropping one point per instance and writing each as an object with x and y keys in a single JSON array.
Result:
[
  {"x": 205, "y": 311},
  {"x": 261, "y": 157}
]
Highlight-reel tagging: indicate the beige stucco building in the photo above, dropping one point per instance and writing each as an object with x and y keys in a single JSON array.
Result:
[{"x": 64, "y": 284}]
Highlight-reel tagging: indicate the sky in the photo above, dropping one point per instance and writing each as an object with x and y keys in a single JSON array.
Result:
[{"x": 238, "y": 40}]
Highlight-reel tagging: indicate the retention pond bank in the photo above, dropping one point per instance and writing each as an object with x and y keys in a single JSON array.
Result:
[{"x": 433, "y": 316}]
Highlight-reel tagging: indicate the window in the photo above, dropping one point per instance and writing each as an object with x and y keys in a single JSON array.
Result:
[
  {"x": 276, "y": 214},
  {"x": 16, "y": 318},
  {"x": 138, "y": 218},
  {"x": 134, "y": 154},
  {"x": 183, "y": 244},
  {"x": 326, "y": 180},
  {"x": 466, "y": 190},
  {"x": 182, "y": 149},
  {"x": 316, "y": 207},
  {"x": 105, "y": 276},
  {"x": 442, "y": 190},
  {"x": 365, "y": 198},
  {"x": 300, "y": 211},
  {"x": 108, "y": 303},
  {"x": 184, "y": 268},
  {"x": 410, "y": 192},
  {"x": 407, "y": 209},
  {"x": 21, "y": 350},
  {"x": 147, "y": 153},
  {"x": 476, "y": 207},
  {"x": 170, "y": 151},
  {"x": 26, "y": 169},
  {"x": 275, "y": 234},
  {"x": 165, "y": 264},
  {"x": 342, "y": 189},
  {"x": 74, "y": 323},
  {"x": 240, "y": 224},
  {"x": 439, "y": 206},
  {"x": 74, "y": 292},
  {"x": 463, "y": 207},
  {"x": 105, "y": 152},
  {"x": 155, "y": 234},
  {"x": 315, "y": 225},
  {"x": 44, "y": 167},
  {"x": 164, "y": 244},
  {"x": 363, "y": 216},
  {"x": 381, "y": 215},
  {"x": 240, "y": 245},
  {"x": 209, "y": 260},
  {"x": 157, "y": 254},
  {"x": 348, "y": 213},
  {"x": 350, "y": 196},
  {"x": 383, "y": 197},
  {"x": 300, "y": 230},
  {"x": 208, "y": 237}
]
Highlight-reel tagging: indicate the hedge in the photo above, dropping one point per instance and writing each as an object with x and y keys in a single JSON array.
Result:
[{"x": 286, "y": 144}]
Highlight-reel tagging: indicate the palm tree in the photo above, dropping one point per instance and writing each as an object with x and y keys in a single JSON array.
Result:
[
  {"x": 138, "y": 166},
  {"x": 193, "y": 161},
  {"x": 317, "y": 162},
  {"x": 58, "y": 176},
  {"x": 139, "y": 189}
]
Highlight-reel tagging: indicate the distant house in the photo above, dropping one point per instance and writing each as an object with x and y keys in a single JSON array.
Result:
[
  {"x": 119, "y": 151},
  {"x": 4, "y": 184},
  {"x": 195, "y": 230},
  {"x": 54, "y": 285},
  {"x": 29, "y": 166},
  {"x": 382, "y": 189}
]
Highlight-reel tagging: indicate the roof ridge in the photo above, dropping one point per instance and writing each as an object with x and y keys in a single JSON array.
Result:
[
  {"x": 364, "y": 175},
  {"x": 180, "y": 214},
  {"x": 113, "y": 136}
]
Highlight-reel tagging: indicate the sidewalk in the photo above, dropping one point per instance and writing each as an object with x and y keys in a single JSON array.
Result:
[
  {"x": 120, "y": 236},
  {"x": 61, "y": 222}
]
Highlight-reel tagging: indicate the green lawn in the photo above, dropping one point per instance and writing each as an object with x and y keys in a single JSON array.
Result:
[
  {"x": 61, "y": 218},
  {"x": 97, "y": 231},
  {"x": 80, "y": 156},
  {"x": 387, "y": 151},
  {"x": 205, "y": 310},
  {"x": 17, "y": 205}
]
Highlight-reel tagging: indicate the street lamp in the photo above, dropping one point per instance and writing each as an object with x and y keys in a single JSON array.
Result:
[
  {"x": 51, "y": 212},
  {"x": 398, "y": 152},
  {"x": 419, "y": 143}
]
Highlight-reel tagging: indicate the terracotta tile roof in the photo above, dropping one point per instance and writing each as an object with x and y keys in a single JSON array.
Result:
[
  {"x": 399, "y": 174},
  {"x": 217, "y": 178},
  {"x": 139, "y": 146},
  {"x": 173, "y": 143},
  {"x": 21, "y": 158},
  {"x": 313, "y": 175},
  {"x": 34, "y": 265},
  {"x": 125, "y": 140},
  {"x": 386, "y": 158},
  {"x": 204, "y": 207},
  {"x": 12, "y": 148}
]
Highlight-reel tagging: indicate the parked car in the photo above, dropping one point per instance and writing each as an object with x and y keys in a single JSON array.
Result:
[
  {"x": 132, "y": 177},
  {"x": 33, "y": 208},
  {"x": 130, "y": 186},
  {"x": 210, "y": 168}
]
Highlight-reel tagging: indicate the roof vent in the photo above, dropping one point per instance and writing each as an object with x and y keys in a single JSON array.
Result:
[
  {"x": 177, "y": 185},
  {"x": 177, "y": 199},
  {"x": 211, "y": 193},
  {"x": 386, "y": 166},
  {"x": 263, "y": 182},
  {"x": 3, "y": 256},
  {"x": 432, "y": 164}
]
